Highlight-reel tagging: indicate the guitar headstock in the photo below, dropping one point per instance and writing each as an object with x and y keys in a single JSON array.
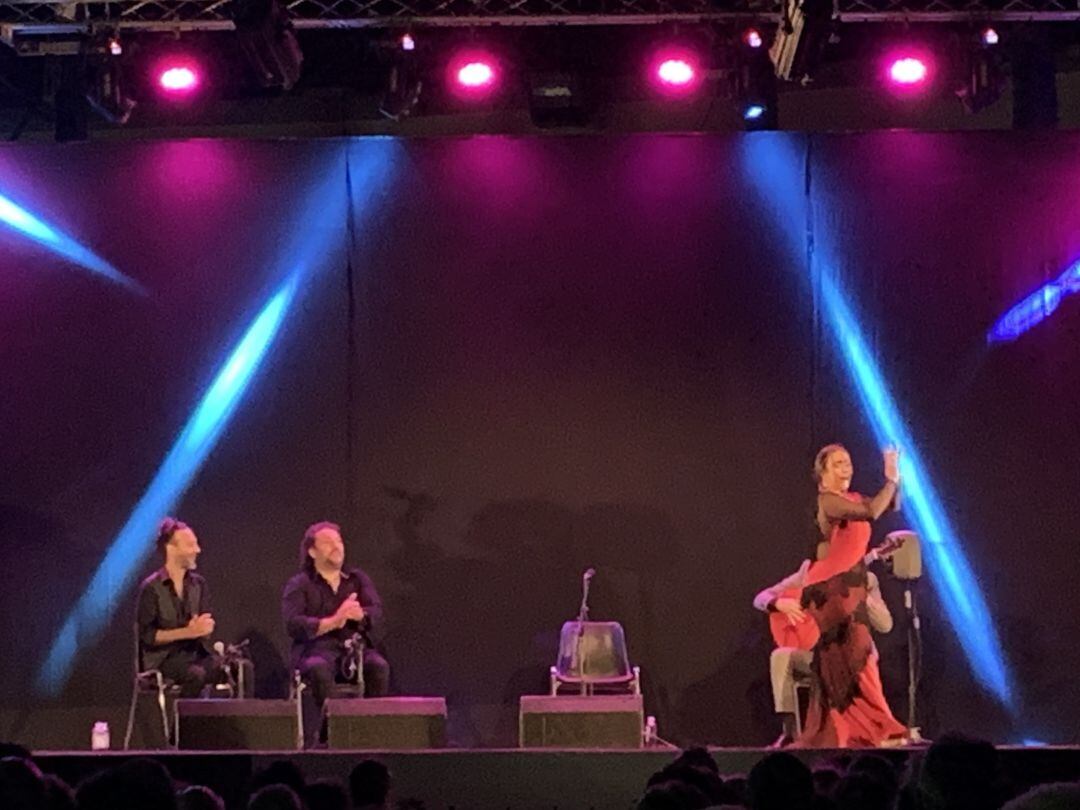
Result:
[{"x": 889, "y": 547}]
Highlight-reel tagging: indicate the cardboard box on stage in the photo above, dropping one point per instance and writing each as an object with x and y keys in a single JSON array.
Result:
[
  {"x": 574, "y": 721},
  {"x": 386, "y": 723},
  {"x": 250, "y": 725}
]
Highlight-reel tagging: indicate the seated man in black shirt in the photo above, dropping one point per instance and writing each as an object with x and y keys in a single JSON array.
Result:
[
  {"x": 324, "y": 606},
  {"x": 174, "y": 616}
]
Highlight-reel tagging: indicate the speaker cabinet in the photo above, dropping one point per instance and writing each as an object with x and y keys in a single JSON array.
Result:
[
  {"x": 386, "y": 723},
  {"x": 571, "y": 721},
  {"x": 223, "y": 725}
]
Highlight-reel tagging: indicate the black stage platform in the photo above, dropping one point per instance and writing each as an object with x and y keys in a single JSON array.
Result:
[{"x": 500, "y": 779}]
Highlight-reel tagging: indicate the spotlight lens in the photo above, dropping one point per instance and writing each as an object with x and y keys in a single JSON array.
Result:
[
  {"x": 115, "y": 48},
  {"x": 178, "y": 79},
  {"x": 408, "y": 43},
  {"x": 476, "y": 75},
  {"x": 908, "y": 71},
  {"x": 753, "y": 112},
  {"x": 752, "y": 38},
  {"x": 990, "y": 37},
  {"x": 675, "y": 72}
]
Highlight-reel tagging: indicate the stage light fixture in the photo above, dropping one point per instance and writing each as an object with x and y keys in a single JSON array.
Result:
[
  {"x": 178, "y": 77},
  {"x": 558, "y": 98},
  {"x": 474, "y": 74},
  {"x": 908, "y": 71},
  {"x": 268, "y": 42},
  {"x": 985, "y": 79},
  {"x": 752, "y": 38},
  {"x": 755, "y": 86},
  {"x": 676, "y": 70},
  {"x": 403, "y": 81},
  {"x": 805, "y": 27}
]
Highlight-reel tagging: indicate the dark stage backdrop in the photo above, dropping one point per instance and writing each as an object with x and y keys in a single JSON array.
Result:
[{"x": 510, "y": 359}]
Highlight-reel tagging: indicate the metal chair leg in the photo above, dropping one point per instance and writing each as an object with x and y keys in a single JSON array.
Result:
[
  {"x": 131, "y": 715},
  {"x": 163, "y": 708},
  {"x": 298, "y": 692}
]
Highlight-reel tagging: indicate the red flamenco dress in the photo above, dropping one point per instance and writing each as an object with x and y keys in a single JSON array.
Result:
[{"x": 847, "y": 707}]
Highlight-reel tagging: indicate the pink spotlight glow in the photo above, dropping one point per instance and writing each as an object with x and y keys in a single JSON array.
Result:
[
  {"x": 676, "y": 72},
  {"x": 473, "y": 74},
  {"x": 476, "y": 74},
  {"x": 990, "y": 37},
  {"x": 752, "y": 37},
  {"x": 178, "y": 79},
  {"x": 908, "y": 71}
]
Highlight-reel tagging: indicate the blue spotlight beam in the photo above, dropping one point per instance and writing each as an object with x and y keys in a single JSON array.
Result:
[
  {"x": 19, "y": 219},
  {"x": 176, "y": 473},
  {"x": 778, "y": 174},
  {"x": 1033, "y": 309}
]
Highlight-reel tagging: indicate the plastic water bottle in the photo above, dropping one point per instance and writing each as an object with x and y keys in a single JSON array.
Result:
[
  {"x": 99, "y": 736},
  {"x": 650, "y": 731}
]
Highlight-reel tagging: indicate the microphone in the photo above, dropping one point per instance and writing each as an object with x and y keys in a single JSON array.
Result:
[
  {"x": 219, "y": 647},
  {"x": 589, "y": 574}
]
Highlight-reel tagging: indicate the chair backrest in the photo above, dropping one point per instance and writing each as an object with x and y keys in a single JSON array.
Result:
[
  {"x": 137, "y": 659},
  {"x": 600, "y": 646}
]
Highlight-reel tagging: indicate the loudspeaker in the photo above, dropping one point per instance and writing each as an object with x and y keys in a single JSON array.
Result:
[
  {"x": 906, "y": 560},
  {"x": 254, "y": 725},
  {"x": 386, "y": 723},
  {"x": 571, "y": 721}
]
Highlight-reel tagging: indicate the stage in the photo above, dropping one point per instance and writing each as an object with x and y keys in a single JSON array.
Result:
[{"x": 507, "y": 779}]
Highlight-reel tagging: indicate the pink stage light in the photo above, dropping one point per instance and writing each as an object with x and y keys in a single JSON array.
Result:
[
  {"x": 908, "y": 71},
  {"x": 990, "y": 37},
  {"x": 476, "y": 75},
  {"x": 752, "y": 38},
  {"x": 676, "y": 72},
  {"x": 178, "y": 79}
]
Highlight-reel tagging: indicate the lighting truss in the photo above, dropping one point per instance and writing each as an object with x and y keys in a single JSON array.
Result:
[{"x": 22, "y": 19}]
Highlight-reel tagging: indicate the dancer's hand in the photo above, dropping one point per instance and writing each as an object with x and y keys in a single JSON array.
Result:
[
  {"x": 790, "y": 608},
  {"x": 892, "y": 464}
]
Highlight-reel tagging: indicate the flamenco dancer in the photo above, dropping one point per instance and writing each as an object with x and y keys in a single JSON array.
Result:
[{"x": 848, "y": 707}]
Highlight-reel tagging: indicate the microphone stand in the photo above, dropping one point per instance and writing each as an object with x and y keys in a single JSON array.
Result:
[
  {"x": 914, "y": 648},
  {"x": 583, "y": 616}
]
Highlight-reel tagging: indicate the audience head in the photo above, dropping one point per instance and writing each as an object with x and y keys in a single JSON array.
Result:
[
  {"x": 1053, "y": 796},
  {"x": 281, "y": 772},
  {"x": 21, "y": 785},
  {"x": 58, "y": 796},
  {"x": 369, "y": 784},
  {"x": 673, "y": 795},
  {"x": 197, "y": 797},
  {"x": 275, "y": 797},
  {"x": 326, "y": 794},
  {"x": 959, "y": 773},
  {"x": 698, "y": 757},
  {"x": 861, "y": 791},
  {"x": 706, "y": 781},
  {"x": 780, "y": 781}
]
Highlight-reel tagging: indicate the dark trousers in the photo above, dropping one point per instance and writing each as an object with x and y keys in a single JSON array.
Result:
[
  {"x": 322, "y": 673},
  {"x": 191, "y": 672}
]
